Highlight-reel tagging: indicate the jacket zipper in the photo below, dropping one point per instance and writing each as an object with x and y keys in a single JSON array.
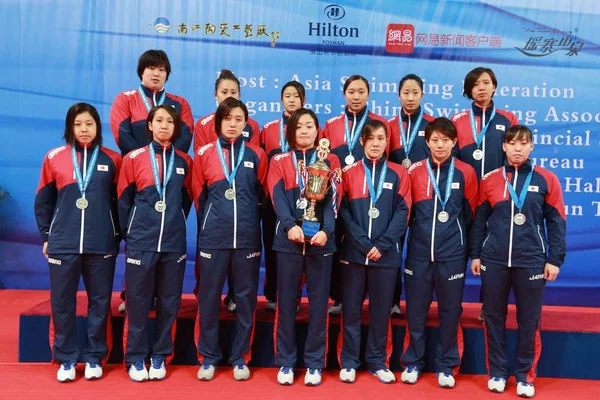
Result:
[
  {"x": 483, "y": 145},
  {"x": 232, "y": 150},
  {"x": 512, "y": 223},
  {"x": 162, "y": 214},
  {"x": 131, "y": 222},
  {"x": 112, "y": 221},
  {"x": 461, "y": 232},
  {"x": 52, "y": 223},
  {"x": 81, "y": 234},
  {"x": 486, "y": 239},
  {"x": 277, "y": 227},
  {"x": 435, "y": 198},
  {"x": 370, "y": 206},
  {"x": 206, "y": 216},
  {"x": 541, "y": 239}
]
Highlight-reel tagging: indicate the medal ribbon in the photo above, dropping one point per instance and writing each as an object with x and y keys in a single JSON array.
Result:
[
  {"x": 436, "y": 187},
  {"x": 408, "y": 142},
  {"x": 518, "y": 200},
  {"x": 375, "y": 195},
  {"x": 357, "y": 129},
  {"x": 160, "y": 102},
  {"x": 83, "y": 183},
  {"x": 230, "y": 177},
  {"x": 479, "y": 138},
  {"x": 285, "y": 147},
  {"x": 171, "y": 163}
]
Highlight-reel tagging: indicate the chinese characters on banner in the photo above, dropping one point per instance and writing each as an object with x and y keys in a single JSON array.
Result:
[{"x": 225, "y": 29}]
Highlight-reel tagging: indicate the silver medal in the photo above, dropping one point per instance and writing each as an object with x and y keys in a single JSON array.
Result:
[
  {"x": 230, "y": 194},
  {"x": 160, "y": 206},
  {"x": 81, "y": 203},
  {"x": 349, "y": 159},
  {"x": 443, "y": 217},
  {"x": 478, "y": 154},
  {"x": 406, "y": 163},
  {"x": 373, "y": 213},
  {"x": 302, "y": 204},
  {"x": 520, "y": 219}
]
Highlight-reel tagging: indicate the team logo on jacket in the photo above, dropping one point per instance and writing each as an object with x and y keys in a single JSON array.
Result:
[
  {"x": 180, "y": 259},
  {"x": 501, "y": 128},
  {"x": 533, "y": 188},
  {"x": 109, "y": 256},
  {"x": 415, "y": 165},
  {"x": 456, "y": 276},
  {"x": 254, "y": 255},
  {"x": 205, "y": 255},
  {"x": 54, "y": 261},
  {"x": 280, "y": 156},
  {"x": 408, "y": 271},
  {"x": 455, "y": 185},
  {"x": 491, "y": 173},
  {"x": 327, "y": 254},
  {"x": 459, "y": 116},
  {"x": 55, "y": 152},
  {"x": 271, "y": 123},
  {"x": 137, "y": 152},
  {"x": 330, "y": 120},
  {"x": 536, "y": 277},
  {"x": 102, "y": 167},
  {"x": 248, "y": 164},
  {"x": 388, "y": 185},
  {"x": 344, "y": 262},
  {"x": 483, "y": 268},
  {"x": 207, "y": 119},
  {"x": 134, "y": 261},
  {"x": 180, "y": 171},
  {"x": 204, "y": 148}
]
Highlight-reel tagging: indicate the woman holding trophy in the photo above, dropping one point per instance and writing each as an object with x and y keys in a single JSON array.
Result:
[
  {"x": 302, "y": 185},
  {"x": 375, "y": 209}
]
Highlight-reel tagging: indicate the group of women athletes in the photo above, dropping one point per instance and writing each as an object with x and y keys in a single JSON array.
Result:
[{"x": 462, "y": 188}]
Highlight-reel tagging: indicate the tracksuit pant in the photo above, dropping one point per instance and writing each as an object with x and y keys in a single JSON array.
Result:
[
  {"x": 421, "y": 278},
  {"x": 244, "y": 265},
  {"x": 268, "y": 231},
  {"x": 398, "y": 288},
  {"x": 528, "y": 285},
  {"x": 98, "y": 271},
  {"x": 335, "y": 290},
  {"x": 146, "y": 273},
  {"x": 317, "y": 269},
  {"x": 378, "y": 282}
]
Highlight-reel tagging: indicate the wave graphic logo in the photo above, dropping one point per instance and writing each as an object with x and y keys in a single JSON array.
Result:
[{"x": 162, "y": 25}]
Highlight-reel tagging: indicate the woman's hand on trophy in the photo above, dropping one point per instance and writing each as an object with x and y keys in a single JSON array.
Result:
[
  {"x": 319, "y": 239},
  {"x": 374, "y": 254},
  {"x": 296, "y": 235}
]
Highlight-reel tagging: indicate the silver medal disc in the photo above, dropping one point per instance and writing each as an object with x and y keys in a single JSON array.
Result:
[
  {"x": 160, "y": 206},
  {"x": 230, "y": 194},
  {"x": 81, "y": 203},
  {"x": 349, "y": 159},
  {"x": 373, "y": 213},
  {"x": 443, "y": 217},
  {"x": 520, "y": 219},
  {"x": 406, "y": 163},
  {"x": 302, "y": 204},
  {"x": 478, "y": 154}
]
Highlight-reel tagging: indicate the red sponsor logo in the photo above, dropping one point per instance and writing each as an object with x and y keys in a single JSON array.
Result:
[{"x": 400, "y": 38}]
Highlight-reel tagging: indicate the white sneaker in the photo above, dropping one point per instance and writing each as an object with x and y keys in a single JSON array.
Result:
[
  {"x": 66, "y": 371},
  {"x": 496, "y": 384},
  {"x": 336, "y": 308},
  {"x": 93, "y": 371},
  {"x": 206, "y": 372},
  {"x": 525, "y": 389},
  {"x": 231, "y": 307},
  {"x": 445, "y": 380},
  {"x": 385, "y": 375},
  {"x": 348, "y": 375},
  {"x": 285, "y": 376},
  {"x": 158, "y": 371},
  {"x": 241, "y": 372},
  {"x": 410, "y": 375},
  {"x": 122, "y": 307},
  {"x": 396, "y": 310},
  {"x": 312, "y": 377},
  {"x": 271, "y": 306},
  {"x": 138, "y": 371}
]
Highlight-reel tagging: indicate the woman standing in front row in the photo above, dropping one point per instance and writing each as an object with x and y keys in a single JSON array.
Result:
[
  {"x": 518, "y": 241},
  {"x": 273, "y": 141},
  {"x": 375, "y": 208},
  {"x": 154, "y": 201},
  {"x": 444, "y": 195},
  {"x": 343, "y": 133},
  {"x": 229, "y": 187},
  {"x": 298, "y": 255},
  {"x": 75, "y": 207}
]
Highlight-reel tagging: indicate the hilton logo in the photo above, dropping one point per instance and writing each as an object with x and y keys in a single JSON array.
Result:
[
  {"x": 335, "y": 12},
  {"x": 331, "y": 30}
]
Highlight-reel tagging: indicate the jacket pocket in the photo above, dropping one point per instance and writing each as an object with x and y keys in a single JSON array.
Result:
[
  {"x": 206, "y": 216},
  {"x": 462, "y": 243},
  {"x": 539, "y": 233},
  {"x": 486, "y": 239},
  {"x": 184, "y": 219},
  {"x": 52, "y": 223},
  {"x": 277, "y": 227},
  {"x": 112, "y": 222},
  {"x": 131, "y": 221}
]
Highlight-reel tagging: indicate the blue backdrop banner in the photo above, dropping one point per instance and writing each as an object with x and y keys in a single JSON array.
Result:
[{"x": 544, "y": 55}]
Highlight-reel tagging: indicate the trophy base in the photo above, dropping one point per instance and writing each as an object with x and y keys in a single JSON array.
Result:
[{"x": 309, "y": 228}]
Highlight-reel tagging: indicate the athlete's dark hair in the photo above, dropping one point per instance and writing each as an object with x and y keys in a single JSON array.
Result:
[
  {"x": 441, "y": 125},
  {"x": 410, "y": 77},
  {"x": 371, "y": 126},
  {"x": 356, "y": 78},
  {"x": 472, "y": 77},
  {"x": 299, "y": 88},
  {"x": 225, "y": 108},
  {"x": 290, "y": 133},
  {"x": 74, "y": 111},
  {"x": 518, "y": 132},
  {"x": 227, "y": 75},
  {"x": 153, "y": 58},
  {"x": 176, "y": 121}
]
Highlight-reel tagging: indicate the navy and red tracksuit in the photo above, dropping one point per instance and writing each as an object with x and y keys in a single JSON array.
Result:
[
  {"x": 397, "y": 153},
  {"x": 80, "y": 243},
  {"x": 229, "y": 241},
  {"x": 205, "y": 132},
  {"x": 155, "y": 246},
  {"x": 128, "y": 119},
  {"x": 296, "y": 259},
  {"x": 437, "y": 259},
  {"x": 493, "y": 155},
  {"x": 334, "y": 131},
  {"x": 515, "y": 256},
  {"x": 361, "y": 275}
]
